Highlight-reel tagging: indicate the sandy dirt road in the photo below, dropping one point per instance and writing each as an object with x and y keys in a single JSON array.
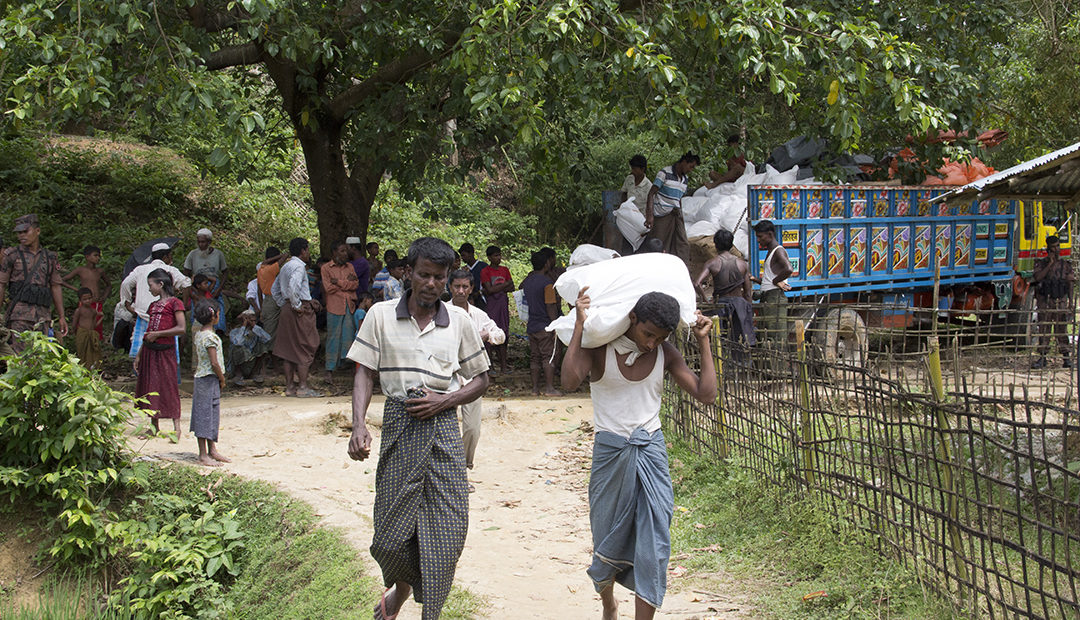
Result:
[{"x": 528, "y": 543}]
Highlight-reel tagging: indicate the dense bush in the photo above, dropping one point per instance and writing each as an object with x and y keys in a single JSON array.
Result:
[{"x": 63, "y": 448}]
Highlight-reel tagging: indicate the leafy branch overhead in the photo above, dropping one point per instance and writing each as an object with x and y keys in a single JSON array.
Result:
[{"x": 369, "y": 87}]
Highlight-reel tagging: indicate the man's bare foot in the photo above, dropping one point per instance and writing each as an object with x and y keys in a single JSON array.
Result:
[
  {"x": 552, "y": 392},
  {"x": 217, "y": 456},
  {"x": 206, "y": 461},
  {"x": 536, "y": 392},
  {"x": 290, "y": 391}
]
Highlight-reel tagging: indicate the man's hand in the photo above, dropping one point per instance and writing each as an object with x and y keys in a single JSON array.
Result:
[
  {"x": 315, "y": 306},
  {"x": 702, "y": 325},
  {"x": 149, "y": 336},
  {"x": 784, "y": 286},
  {"x": 63, "y": 327},
  {"x": 221, "y": 381},
  {"x": 648, "y": 223},
  {"x": 582, "y": 304},
  {"x": 423, "y": 408},
  {"x": 360, "y": 443},
  {"x": 351, "y": 276}
]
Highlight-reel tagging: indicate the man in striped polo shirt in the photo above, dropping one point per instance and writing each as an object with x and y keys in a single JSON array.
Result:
[
  {"x": 430, "y": 359},
  {"x": 663, "y": 212}
]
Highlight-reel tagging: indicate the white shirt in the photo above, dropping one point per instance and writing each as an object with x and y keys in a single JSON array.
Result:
[
  {"x": 770, "y": 275},
  {"x": 622, "y": 406},
  {"x": 447, "y": 351},
  {"x": 489, "y": 331},
  {"x": 253, "y": 293},
  {"x": 291, "y": 284},
  {"x": 638, "y": 191},
  {"x": 136, "y": 288}
]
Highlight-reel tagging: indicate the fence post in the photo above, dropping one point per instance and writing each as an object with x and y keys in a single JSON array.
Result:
[
  {"x": 805, "y": 421},
  {"x": 718, "y": 359},
  {"x": 937, "y": 387}
]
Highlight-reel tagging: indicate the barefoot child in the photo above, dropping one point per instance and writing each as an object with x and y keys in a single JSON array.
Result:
[
  {"x": 156, "y": 362},
  {"x": 87, "y": 320},
  {"x": 209, "y": 380},
  {"x": 93, "y": 278},
  {"x": 630, "y": 496}
]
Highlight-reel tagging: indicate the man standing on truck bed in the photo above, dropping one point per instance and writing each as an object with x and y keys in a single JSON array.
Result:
[
  {"x": 1054, "y": 280},
  {"x": 773, "y": 322},
  {"x": 663, "y": 211}
]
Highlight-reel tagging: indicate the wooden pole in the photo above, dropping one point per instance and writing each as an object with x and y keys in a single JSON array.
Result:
[
  {"x": 721, "y": 418},
  {"x": 805, "y": 419},
  {"x": 948, "y": 481}
]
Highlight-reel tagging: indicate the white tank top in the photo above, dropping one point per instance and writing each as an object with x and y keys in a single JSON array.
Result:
[
  {"x": 620, "y": 405},
  {"x": 768, "y": 276}
]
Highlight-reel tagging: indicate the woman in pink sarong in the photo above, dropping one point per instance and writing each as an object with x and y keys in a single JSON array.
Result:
[{"x": 157, "y": 363}]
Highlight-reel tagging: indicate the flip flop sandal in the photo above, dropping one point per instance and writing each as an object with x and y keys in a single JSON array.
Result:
[
  {"x": 382, "y": 605},
  {"x": 309, "y": 393}
]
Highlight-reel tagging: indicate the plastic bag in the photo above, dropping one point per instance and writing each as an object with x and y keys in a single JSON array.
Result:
[
  {"x": 694, "y": 208},
  {"x": 614, "y": 288},
  {"x": 631, "y": 223},
  {"x": 704, "y": 228},
  {"x": 522, "y": 305},
  {"x": 587, "y": 254}
]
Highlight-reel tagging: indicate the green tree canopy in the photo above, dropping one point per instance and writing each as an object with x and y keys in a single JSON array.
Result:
[{"x": 370, "y": 88}]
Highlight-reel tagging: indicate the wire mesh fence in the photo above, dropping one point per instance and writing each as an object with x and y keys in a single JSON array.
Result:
[
  {"x": 986, "y": 349},
  {"x": 971, "y": 482}
]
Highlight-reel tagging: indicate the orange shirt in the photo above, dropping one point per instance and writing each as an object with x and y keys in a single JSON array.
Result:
[
  {"x": 340, "y": 297},
  {"x": 266, "y": 276}
]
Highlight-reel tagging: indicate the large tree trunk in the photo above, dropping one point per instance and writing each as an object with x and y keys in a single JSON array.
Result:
[{"x": 342, "y": 201}]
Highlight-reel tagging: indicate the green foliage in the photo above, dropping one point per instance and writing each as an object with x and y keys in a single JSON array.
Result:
[
  {"x": 62, "y": 444},
  {"x": 289, "y": 567},
  {"x": 371, "y": 88},
  {"x": 179, "y": 553},
  {"x": 775, "y": 536}
]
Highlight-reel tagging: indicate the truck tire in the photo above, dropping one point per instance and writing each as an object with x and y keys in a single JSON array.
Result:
[{"x": 844, "y": 338}]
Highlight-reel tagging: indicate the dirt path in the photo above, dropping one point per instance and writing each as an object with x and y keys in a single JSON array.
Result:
[{"x": 528, "y": 543}]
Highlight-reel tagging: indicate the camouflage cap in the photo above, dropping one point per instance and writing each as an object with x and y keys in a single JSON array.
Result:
[{"x": 26, "y": 222}]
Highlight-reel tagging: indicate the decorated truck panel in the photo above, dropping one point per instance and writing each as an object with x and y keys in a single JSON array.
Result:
[{"x": 844, "y": 240}]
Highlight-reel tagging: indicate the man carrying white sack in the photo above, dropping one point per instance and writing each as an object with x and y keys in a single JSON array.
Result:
[{"x": 631, "y": 500}]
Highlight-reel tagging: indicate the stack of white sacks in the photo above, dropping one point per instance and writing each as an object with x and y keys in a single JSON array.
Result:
[{"x": 709, "y": 210}]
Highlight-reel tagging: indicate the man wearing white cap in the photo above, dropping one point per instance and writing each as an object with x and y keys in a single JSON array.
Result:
[
  {"x": 135, "y": 290},
  {"x": 210, "y": 261}
]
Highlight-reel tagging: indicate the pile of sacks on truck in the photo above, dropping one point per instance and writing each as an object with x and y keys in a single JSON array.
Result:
[
  {"x": 725, "y": 206},
  {"x": 709, "y": 210}
]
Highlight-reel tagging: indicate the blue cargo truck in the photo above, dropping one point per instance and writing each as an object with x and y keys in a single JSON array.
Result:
[{"x": 884, "y": 244}]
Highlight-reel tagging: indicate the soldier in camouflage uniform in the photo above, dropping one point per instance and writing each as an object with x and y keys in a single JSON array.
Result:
[
  {"x": 31, "y": 276},
  {"x": 1054, "y": 280}
]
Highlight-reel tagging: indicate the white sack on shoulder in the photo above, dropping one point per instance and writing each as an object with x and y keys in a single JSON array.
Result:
[
  {"x": 587, "y": 254},
  {"x": 614, "y": 288},
  {"x": 631, "y": 223}
]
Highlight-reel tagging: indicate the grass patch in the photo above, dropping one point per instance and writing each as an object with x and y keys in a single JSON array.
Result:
[
  {"x": 789, "y": 542},
  {"x": 290, "y": 566}
]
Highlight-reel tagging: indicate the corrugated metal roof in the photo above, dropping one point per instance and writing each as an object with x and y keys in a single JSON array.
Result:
[{"x": 1043, "y": 176}]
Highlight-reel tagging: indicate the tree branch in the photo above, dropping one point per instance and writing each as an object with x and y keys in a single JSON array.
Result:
[
  {"x": 234, "y": 56},
  {"x": 394, "y": 72},
  {"x": 209, "y": 21}
]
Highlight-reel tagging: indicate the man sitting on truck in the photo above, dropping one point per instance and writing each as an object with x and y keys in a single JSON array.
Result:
[
  {"x": 773, "y": 319},
  {"x": 1054, "y": 280}
]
